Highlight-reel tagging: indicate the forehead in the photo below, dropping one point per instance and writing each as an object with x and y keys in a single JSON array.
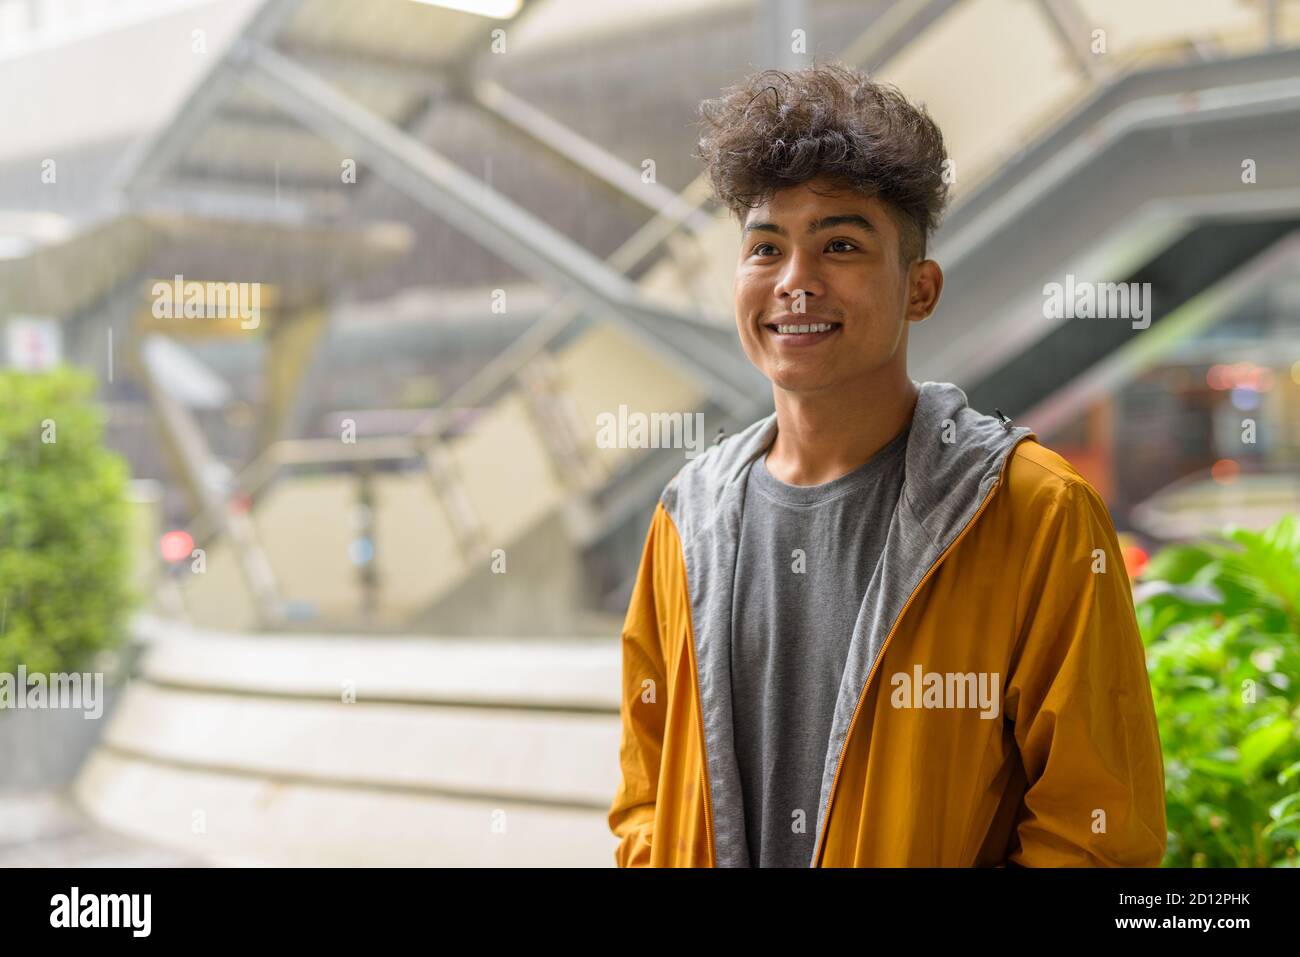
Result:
[{"x": 798, "y": 206}]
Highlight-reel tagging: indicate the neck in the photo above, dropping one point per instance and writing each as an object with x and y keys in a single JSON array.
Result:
[{"x": 826, "y": 434}]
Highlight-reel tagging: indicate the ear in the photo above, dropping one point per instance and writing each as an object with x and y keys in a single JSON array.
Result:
[{"x": 924, "y": 286}]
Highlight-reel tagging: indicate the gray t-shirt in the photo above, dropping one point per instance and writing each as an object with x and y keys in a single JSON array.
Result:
[{"x": 793, "y": 619}]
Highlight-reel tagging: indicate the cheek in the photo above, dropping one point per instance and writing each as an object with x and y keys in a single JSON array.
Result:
[
  {"x": 743, "y": 288},
  {"x": 880, "y": 302},
  {"x": 749, "y": 302}
]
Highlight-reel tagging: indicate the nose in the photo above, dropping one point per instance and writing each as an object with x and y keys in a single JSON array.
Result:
[{"x": 799, "y": 275}]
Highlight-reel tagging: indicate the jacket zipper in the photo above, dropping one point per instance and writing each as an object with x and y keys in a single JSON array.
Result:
[
  {"x": 830, "y": 801},
  {"x": 708, "y": 814},
  {"x": 704, "y": 757}
]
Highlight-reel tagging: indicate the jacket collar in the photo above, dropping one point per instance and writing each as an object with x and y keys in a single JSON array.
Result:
[{"x": 953, "y": 452}]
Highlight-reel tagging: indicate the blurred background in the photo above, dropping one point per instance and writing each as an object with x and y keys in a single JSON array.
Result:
[{"x": 353, "y": 561}]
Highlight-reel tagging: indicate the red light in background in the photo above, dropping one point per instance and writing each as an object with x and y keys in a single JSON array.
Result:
[
  {"x": 176, "y": 546},
  {"x": 1135, "y": 560},
  {"x": 1225, "y": 471},
  {"x": 1239, "y": 375}
]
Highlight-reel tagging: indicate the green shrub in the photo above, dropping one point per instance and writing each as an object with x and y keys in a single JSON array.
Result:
[
  {"x": 64, "y": 560},
  {"x": 1222, "y": 631}
]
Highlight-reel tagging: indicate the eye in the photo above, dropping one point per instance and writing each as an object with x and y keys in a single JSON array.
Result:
[
  {"x": 845, "y": 242},
  {"x": 757, "y": 250}
]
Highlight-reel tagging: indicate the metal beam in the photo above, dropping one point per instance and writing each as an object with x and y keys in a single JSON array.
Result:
[
  {"x": 544, "y": 129},
  {"x": 1153, "y": 112},
  {"x": 242, "y": 201},
  {"x": 354, "y": 66},
  {"x": 902, "y": 23},
  {"x": 520, "y": 238},
  {"x": 1068, "y": 24},
  {"x": 421, "y": 121},
  {"x": 777, "y": 21},
  {"x": 580, "y": 152},
  {"x": 147, "y": 162},
  {"x": 292, "y": 342},
  {"x": 184, "y": 437}
]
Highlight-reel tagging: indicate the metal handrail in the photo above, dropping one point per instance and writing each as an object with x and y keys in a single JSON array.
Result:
[{"x": 1121, "y": 64}]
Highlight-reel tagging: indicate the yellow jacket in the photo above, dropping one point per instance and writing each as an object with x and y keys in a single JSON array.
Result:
[{"x": 1002, "y": 563}]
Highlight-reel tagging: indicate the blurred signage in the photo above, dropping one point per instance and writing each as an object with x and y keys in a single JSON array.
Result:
[
  {"x": 180, "y": 306},
  {"x": 33, "y": 343}
]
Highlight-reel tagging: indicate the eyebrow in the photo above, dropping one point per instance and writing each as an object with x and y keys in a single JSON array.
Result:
[{"x": 817, "y": 225}]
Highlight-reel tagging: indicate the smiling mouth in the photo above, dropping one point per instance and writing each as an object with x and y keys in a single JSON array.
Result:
[{"x": 798, "y": 329}]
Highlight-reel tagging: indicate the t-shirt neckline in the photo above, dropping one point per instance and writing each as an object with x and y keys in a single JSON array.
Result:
[{"x": 779, "y": 491}]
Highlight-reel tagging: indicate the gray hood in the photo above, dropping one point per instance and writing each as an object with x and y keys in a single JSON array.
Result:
[{"x": 954, "y": 456}]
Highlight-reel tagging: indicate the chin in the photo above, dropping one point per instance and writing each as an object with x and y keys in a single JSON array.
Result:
[{"x": 801, "y": 380}]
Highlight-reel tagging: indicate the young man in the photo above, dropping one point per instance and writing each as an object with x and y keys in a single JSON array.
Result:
[{"x": 877, "y": 628}]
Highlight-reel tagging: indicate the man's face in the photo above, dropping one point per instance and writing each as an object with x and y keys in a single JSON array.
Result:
[{"x": 812, "y": 257}]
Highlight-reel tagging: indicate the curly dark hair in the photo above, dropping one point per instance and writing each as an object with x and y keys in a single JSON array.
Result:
[{"x": 779, "y": 129}]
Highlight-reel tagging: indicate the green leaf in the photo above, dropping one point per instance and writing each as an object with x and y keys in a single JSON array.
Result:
[
  {"x": 64, "y": 559},
  {"x": 1176, "y": 565},
  {"x": 1217, "y": 768},
  {"x": 1278, "y": 810},
  {"x": 1259, "y": 746}
]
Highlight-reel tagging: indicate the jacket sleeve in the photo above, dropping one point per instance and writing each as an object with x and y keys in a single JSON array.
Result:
[
  {"x": 1080, "y": 699},
  {"x": 632, "y": 814}
]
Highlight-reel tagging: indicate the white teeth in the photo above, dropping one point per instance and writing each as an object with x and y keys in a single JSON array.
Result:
[{"x": 815, "y": 327}]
